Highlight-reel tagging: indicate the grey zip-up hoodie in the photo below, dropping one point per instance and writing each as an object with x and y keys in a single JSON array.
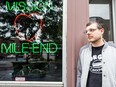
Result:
[{"x": 108, "y": 65}]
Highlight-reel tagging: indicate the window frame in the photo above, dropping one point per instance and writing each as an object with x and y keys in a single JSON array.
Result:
[
  {"x": 114, "y": 19},
  {"x": 64, "y": 70}
]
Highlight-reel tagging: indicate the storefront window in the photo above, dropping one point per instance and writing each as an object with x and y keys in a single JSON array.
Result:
[
  {"x": 31, "y": 40},
  {"x": 102, "y": 9}
]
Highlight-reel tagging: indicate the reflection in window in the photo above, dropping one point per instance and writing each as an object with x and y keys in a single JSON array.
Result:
[{"x": 31, "y": 40}]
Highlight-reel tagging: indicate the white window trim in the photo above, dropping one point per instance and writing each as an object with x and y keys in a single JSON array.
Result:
[
  {"x": 30, "y": 84},
  {"x": 114, "y": 19},
  {"x": 64, "y": 64}
]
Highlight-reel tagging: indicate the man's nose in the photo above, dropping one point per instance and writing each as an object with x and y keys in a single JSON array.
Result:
[{"x": 88, "y": 32}]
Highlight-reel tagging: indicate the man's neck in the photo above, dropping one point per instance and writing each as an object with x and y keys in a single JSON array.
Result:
[{"x": 98, "y": 43}]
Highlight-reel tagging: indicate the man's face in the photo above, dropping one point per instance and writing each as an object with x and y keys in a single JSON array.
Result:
[{"x": 93, "y": 33}]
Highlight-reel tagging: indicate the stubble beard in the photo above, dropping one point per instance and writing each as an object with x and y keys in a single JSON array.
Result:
[{"x": 96, "y": 40}]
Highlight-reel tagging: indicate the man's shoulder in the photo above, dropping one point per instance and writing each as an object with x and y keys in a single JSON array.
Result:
[
  {"x": 84, "y": 47},
  {"x": 112, "y": 44}
]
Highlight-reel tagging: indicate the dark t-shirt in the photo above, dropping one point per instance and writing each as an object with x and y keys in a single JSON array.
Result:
[{"x": 95, "y": 70}]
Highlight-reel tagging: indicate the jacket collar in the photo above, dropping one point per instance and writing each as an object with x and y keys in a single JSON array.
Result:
[{"x": 104, "y": 47}]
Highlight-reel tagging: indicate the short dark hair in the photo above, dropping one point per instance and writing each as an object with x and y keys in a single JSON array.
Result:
[{"x": 98, "y": 20}]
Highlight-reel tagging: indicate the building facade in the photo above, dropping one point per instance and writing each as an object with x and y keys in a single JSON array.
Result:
[{"x": 43, "y": 45}]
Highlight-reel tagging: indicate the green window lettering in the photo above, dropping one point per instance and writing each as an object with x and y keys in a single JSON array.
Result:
[
  {"x": 25, "y": 47},
  {"x": 45, "y": 47},
  {"x": 5, "y": 48},
  {"x": 9, "y": 7},
  {"x": 35, "y": 47},
  {"x": 53, "y": 48},
  {"x": 22, "y": 5}
]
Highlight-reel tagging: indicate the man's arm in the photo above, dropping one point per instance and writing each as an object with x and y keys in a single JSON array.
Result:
[{"x": 79, "y": 72}]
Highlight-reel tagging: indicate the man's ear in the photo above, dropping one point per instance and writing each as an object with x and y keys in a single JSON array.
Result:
[{"x": 102, "y": 30}]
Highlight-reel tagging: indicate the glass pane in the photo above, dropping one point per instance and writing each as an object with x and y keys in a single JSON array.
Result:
[
  {"x": 31, "y": 40},
  {"x": 102, "y": 9}
]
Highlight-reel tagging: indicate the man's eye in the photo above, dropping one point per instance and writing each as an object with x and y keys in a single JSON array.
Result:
[{"x": 91, "y": 30}]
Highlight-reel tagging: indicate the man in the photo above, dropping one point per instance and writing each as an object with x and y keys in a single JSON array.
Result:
[{"x": 97, "y": 60}]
